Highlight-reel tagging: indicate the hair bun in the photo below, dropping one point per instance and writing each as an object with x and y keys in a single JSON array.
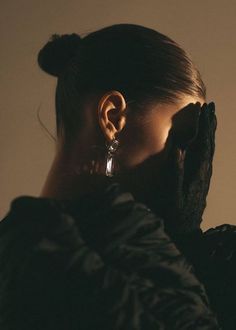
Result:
[{"x": 57, "y": 52}]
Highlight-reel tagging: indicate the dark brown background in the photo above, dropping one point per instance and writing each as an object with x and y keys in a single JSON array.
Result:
[{"x": 206, "y": 29}]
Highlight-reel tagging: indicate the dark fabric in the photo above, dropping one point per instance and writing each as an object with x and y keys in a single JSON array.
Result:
[
  {"x": 104, "y": 261},
  {"x": 213, "y": 254}
]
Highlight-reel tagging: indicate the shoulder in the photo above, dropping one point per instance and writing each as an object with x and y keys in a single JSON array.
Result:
[
  {"x": 218, "y": 263},
  {"x": 217, "y": 270},
  {"x": 220, "y": 242},
  {"x": 218, "y": 255},
  {"x": 109, "y": 248}
]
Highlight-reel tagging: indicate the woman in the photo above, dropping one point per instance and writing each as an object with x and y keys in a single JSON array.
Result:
[{"x": 114, "y": 239}]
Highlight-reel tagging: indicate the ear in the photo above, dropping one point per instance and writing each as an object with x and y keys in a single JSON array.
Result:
[{"x": 111, "y": 114}]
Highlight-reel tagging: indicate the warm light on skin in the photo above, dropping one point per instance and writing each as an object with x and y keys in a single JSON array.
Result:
[
  {"x": 152, "y": 132},
  {"x": 139, "y": 139}
]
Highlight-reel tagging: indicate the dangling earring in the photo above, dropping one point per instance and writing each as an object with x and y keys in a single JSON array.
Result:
[{"x": 110, "y": 161}]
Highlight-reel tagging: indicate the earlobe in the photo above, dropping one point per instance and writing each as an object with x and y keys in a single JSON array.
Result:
[{"x": 111, "y": 114}]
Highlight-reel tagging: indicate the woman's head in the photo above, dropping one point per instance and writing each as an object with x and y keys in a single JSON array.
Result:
[
  {"x": 125, "y": 81},
  {"x": 143, "y": 64}
]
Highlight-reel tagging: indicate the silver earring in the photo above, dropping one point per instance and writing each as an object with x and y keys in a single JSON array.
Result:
[{"x": 110, "y": 162}]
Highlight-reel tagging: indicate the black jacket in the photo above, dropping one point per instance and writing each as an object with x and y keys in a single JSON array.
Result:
[{"x": 104, "y": 261}]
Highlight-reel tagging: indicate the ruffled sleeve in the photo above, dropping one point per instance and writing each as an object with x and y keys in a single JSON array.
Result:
[
  {"x": 213, "y": 255},
  {"x": 103, "y": 261}
]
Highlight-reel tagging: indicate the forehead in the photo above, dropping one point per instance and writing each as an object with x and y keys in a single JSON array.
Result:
[{"x": 165, "y": 111}]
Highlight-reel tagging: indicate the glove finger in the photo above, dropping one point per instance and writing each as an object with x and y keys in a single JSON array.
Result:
[
  {"x": 199, "y": 156},
  {"x": 207, "y": 166},
  {"x": 207, "y": 138},
  {"x": 185, "y": 126},
  {"x": 199, "y": 150},
  {"x": 213, "y": 127}
]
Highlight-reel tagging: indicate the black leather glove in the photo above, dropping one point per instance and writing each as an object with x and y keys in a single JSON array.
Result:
[{"x": 180, "y": 198}]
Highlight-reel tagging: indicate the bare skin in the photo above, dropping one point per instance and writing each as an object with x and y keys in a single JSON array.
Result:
[{"x": 140, "y": 138}]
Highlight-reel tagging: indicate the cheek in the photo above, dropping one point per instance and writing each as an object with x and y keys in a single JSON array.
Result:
[
  {"x": 157, "y": 136},
  {"x": 137, "y": 145}
]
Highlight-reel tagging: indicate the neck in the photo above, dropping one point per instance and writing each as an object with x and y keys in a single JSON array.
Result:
[
  {"x": 70, "y": 174},
  {"x": 69, "y": 178}
]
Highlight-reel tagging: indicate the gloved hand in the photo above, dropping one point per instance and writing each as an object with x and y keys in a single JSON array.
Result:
[{"x": 180, "y": 198}]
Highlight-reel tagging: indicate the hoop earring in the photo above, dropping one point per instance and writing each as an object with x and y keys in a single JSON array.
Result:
[{"x": 110, "y": 159}]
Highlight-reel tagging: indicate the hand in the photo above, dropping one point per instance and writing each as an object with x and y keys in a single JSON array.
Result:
[{"x": 180, "y": 198}]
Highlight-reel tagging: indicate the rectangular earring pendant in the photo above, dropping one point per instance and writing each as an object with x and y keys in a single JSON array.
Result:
[{"x": 109, "y": 165}]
